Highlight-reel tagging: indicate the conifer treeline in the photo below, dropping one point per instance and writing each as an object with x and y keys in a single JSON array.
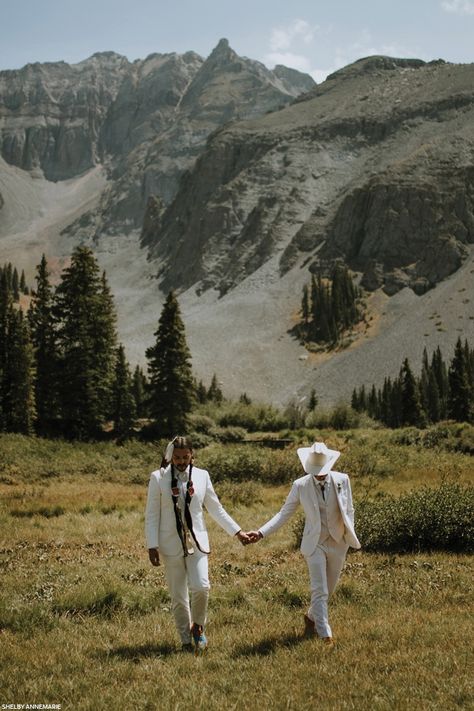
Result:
[
  {"x": 11, "y": 281},
  {"x": 443, "y": 391},
  {"x": 62, "y": 371},
  {"x": 329, "y": 307}
]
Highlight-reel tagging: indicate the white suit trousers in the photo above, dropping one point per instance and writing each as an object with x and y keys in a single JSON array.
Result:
[
  {"x": 188, "y": 585},
  {"x": 324, "y": 566}
]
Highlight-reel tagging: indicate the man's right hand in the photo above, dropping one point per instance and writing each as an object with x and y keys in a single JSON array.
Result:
[{"x": 154, "y": 556}]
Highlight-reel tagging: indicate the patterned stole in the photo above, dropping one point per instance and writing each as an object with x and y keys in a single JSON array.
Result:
[{"x": 185, "y": 527}]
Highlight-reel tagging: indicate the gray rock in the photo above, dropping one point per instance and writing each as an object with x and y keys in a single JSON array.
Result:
[{"x": 373, "y": 165}]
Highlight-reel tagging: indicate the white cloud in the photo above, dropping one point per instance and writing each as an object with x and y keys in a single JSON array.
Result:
[
  {"x": 291, "y": 46},
  {"x": 458, "y": 7},
  {"x": 283, "y": 37}
]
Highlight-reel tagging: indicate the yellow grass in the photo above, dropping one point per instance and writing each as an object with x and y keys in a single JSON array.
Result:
[{"x": 85, "y": 620}]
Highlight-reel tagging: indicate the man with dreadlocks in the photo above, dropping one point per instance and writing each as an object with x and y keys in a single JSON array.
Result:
[{"x": 176, "y": 534}]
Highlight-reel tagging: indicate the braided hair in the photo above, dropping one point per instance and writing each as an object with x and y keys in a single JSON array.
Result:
[{"x": 178, "y": 442}]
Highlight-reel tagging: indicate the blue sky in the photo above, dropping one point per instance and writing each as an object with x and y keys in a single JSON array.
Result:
[{"x": 313, "y": 36}]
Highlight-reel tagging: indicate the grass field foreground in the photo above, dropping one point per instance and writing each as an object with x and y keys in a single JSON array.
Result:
[{"x": 85, "y": 620}]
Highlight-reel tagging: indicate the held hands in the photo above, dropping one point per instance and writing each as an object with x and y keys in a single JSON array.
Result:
[
  {"x": 243, "y": 538},
  {"x": 248, "y": 537}
]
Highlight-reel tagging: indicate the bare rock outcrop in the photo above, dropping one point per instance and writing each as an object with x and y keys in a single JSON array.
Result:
[
  {"x": 51, "y": 114},
  {"x": 374, "y": 166}
]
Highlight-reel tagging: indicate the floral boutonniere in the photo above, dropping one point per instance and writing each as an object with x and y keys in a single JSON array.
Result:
[
  {"x": 339, "y": 487},
  {"x": 190, "y": 488}
]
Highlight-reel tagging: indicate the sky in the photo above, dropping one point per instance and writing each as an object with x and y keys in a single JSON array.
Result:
[{"x": 312, "y": 36}]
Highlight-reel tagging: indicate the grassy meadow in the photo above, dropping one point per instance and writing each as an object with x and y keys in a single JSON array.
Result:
[{"x": 85, "y": 620}]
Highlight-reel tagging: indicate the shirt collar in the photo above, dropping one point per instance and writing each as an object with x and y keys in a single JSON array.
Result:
[{"x": 182, "y": 476}]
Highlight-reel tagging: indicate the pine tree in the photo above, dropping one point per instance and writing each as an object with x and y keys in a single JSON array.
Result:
[
  {"x": 396, "y": 409},
  {"x": 313, "y": 400},
  {"x": 440, "y": 373},
  {"x": 386, "y": 402},
  {"x": 412, "y": 412},
  {"x": 372, "y": 403},
  {"x": 23, "y": 288},
  {"x": 19, "y": 374},
  {"x": 434, "y": 402},
  {"x": 214, "y": 394},
  {"x": 9, "y": 275},
  {"x": 337, "y": 296},
  {"x": 459, "y": 401},
  {"x": 124, "y": 409},
  {"x": 201, "y": 392},
  {"x": 424, "y": 383},
  {"x": 15, "y": 285},
  {"x": 46, "y": 358},
  {"x": 5, "y": 304},
  {"x": 355, "y": 403},
  {"x": 169, "y": 367},
  {"x": 139, "y": 388},
  {"x": 305, "y": 310},
  {"x": 87, "y": 345}
]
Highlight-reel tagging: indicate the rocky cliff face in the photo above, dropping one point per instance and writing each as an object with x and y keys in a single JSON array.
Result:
[
  {"x": 51, "y": 115},
  {"x": 374, "y": 166},
  {"x": 146, "y": 121}
]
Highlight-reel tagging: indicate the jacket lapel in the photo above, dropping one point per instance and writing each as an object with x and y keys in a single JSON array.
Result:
[{"x": 311, "y": 492}]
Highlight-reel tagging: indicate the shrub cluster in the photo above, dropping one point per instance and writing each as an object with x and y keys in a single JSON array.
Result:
[
  {"x": 250, "y": 462},
  {"x": 440, "y": 519},
  {"x": 451, "y": 436}
]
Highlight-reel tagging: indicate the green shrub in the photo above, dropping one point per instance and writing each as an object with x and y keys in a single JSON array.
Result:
[
  {"x": 423, "y": 520},
  {"x": 451, "y": 436},
  {"x": 253, "y": 418},
  {"x": 250, "y": 462},
  {"x": 243, "y": 493},
  {"x": 201, "y": 423},
  {"x": 439, "y": 519},
  {"x": 228, "y": 434},
  {"x": 371, "y": 460},
  {"x": 199, "y": 439}
]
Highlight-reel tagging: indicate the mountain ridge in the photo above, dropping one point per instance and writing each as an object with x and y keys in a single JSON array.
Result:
[{"x": 235, "y": 201}]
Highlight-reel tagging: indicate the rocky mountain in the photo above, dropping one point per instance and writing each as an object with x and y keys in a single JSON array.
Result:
[
  {"x": 374, "y": 166},
  {"x": 231, "y": 183},
  {"x": 144, "y": 121}
]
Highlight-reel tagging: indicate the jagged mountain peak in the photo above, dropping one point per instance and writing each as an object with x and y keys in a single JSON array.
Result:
[{"x": 222, "y": 50}]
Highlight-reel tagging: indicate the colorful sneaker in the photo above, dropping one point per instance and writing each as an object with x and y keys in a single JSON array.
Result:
[{"x": 200, "y": 640}]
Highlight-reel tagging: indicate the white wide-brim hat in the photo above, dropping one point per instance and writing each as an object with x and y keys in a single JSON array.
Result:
[{"x": 317, "y": 459}]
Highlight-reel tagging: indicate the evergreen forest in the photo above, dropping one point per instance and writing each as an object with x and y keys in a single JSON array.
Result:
[
  {"x": 329, "y": 307},
  {"x": 63, "y": 372},
  {"x": 442, "y": 391}
]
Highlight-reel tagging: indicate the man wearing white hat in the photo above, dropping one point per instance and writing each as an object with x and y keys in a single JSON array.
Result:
[{"x": 328, "y": 532}]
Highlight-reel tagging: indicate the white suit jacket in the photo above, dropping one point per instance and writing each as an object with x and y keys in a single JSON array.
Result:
[
  {"x": 160, "y": 521},
  {"x": 303, "y": 492}
]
